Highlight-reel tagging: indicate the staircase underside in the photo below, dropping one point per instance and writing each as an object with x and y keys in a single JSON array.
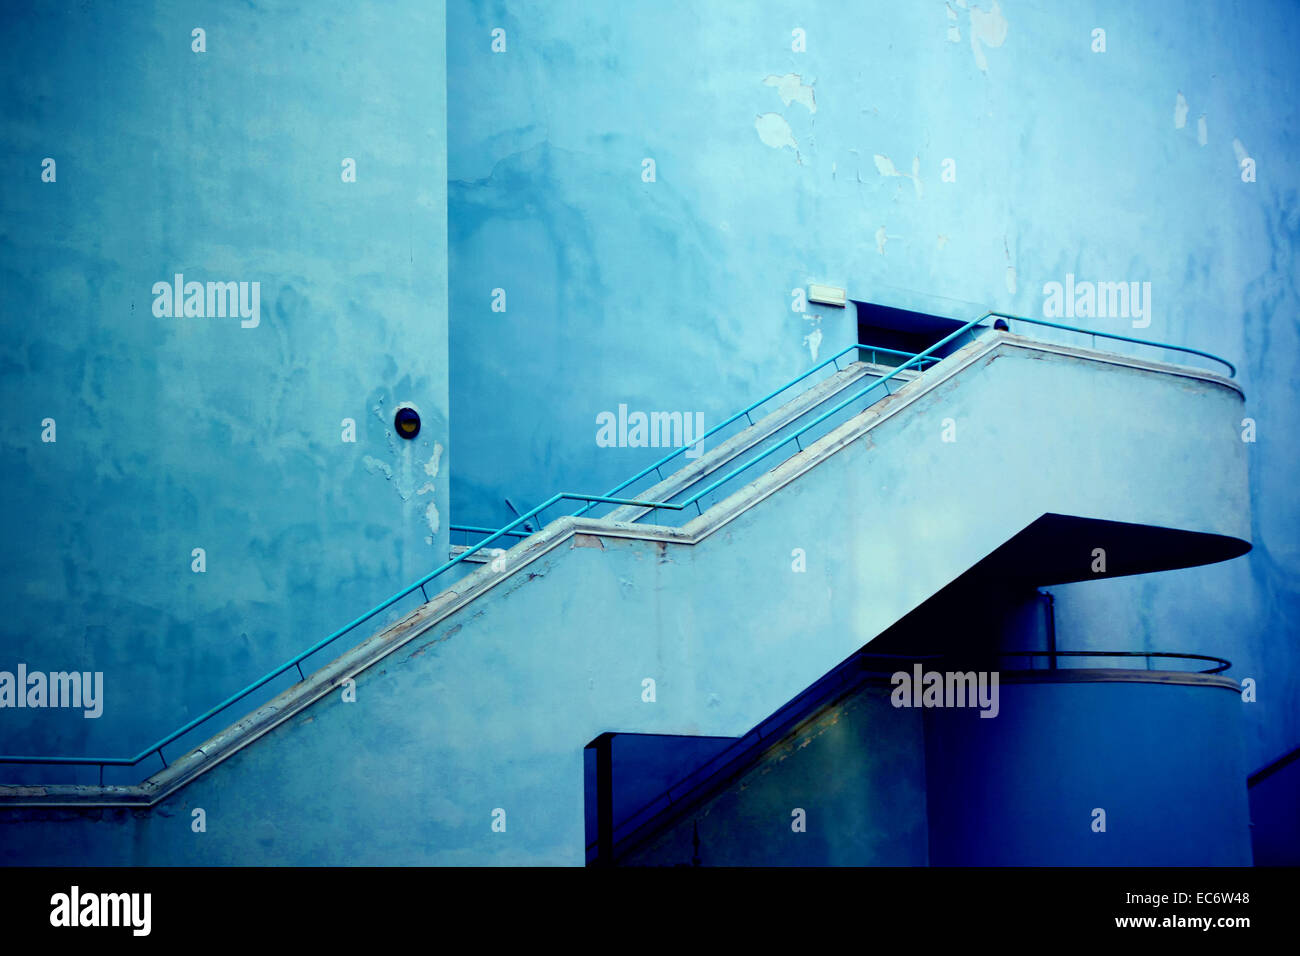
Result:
[{"x": 1059, "y": 549}]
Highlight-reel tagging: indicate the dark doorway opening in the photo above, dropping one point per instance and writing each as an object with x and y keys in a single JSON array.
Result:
[{"x": 905, "y": 331}]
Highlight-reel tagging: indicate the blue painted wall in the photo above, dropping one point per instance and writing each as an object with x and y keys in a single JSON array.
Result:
[
  {"x": 1164, "y": 763},
  {"x": 675, "y": 295},
  {"x": 182, "y": 433}
]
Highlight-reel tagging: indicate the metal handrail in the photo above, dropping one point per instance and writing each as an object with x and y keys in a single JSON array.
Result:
[
  {"x": 834, "y": 359},
  {"x": 297, "y": 660},
  {"x": 919, "y": 358},
  {"x": 474, "y": 529},
  {"x": 1232, "y": 369},
  {"x": 1222, "y": 662}
]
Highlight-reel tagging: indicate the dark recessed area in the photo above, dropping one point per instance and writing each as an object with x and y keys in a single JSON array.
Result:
[{"x": 905, "y": 330}]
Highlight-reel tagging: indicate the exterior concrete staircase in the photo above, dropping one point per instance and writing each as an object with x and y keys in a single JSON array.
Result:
[{"x": 456, "y": 734}]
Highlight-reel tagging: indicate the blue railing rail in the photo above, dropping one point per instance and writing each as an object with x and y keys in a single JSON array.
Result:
[
  {"x": 748, "y": 410},
  {"x": 690, "y": 790},
  {"x": 476, "y": 529},
  {"x": 915, "y": 361},
  {"x": 1221, "y": 664},
  {"x": 884, "y": 381},
  {"x": 492, "y": 535},
  {"x": 1232, "y": 369},
  {"x": 296, "y": 661}
]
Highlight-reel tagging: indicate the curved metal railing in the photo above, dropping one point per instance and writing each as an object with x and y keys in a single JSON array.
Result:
[
  {"x": 1232, "y": 369},
  {"x": 695, "y": 787},
  {"x": 1221, "y": 663}
]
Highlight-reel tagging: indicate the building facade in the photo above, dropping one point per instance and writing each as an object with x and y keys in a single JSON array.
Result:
[{"x": 953, "y": 344}]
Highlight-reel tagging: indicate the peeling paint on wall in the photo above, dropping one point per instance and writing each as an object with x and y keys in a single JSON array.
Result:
[
  {"x": 377, "y": 467},
  {"x": 987, "y": 28},
  {"x": 1202, "y": 132},
  {"x": 433, "y": 520},
  {"x": 775, "y": 131},
  {"x": 1180, "y": 111},
  {"x": 431, "y": 466},
  {"x": 885, "y": 166},
  {"x": 431, "y": 516},
  {"x": 792, "y": 89},
  {"x": 881, "y": 238},
  {"x": 814, "y": 341}
]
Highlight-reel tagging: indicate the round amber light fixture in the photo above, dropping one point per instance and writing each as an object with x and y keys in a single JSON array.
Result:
[{"x": 407, "y": 422}]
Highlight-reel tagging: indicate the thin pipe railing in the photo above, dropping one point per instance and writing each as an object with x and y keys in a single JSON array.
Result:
[
  {"x": 748, "y": 409},
  {"x": 917, "y": 359},
  {"x": 794, "y": 436},
  {"x": 474, "y": 529},
  {"x": 920, "y": 358},
  {"x": 885, "y": 379},
  {"x": 1221, "y": 663},
  {"x": 1232, "y": 369},
  {"x": 296, "y": 660}
]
